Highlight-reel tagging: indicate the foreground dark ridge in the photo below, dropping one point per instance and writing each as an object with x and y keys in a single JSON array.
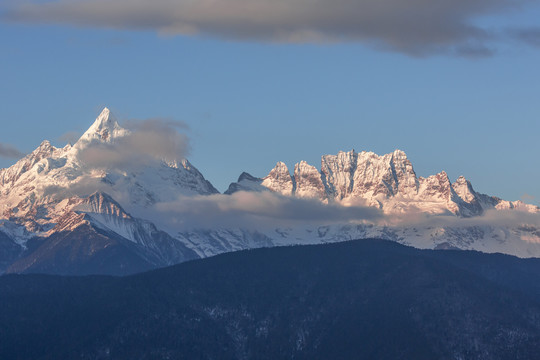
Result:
[{"x": 366, "y": 299}]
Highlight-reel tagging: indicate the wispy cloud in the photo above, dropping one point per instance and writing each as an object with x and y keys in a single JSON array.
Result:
[
  {"x": 529, "y": 199},
  {"x": 255, "y": 210},
  {"x": 414, "y": 27},
  {"x": 492, "y": 217},
  {"x": 151, "y": 140},
  {"x": 69, "y": 137},
  {"x": 266, "y": 211},
  {"x": 529, "y": 36},
  {"x": 10, "y": 152}
]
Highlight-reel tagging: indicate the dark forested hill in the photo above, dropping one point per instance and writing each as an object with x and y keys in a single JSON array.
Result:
[{"x": 366, "y": 299}]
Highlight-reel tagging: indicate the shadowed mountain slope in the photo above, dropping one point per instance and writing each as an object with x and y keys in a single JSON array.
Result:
[{"x": 367, "y": 299}]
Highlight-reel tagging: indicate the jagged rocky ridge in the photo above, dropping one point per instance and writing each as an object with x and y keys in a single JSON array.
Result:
[
  {"x": 387, "y": 182},
  {"x": 390, "y": 184},
  {"x": 62, "y": 214}
]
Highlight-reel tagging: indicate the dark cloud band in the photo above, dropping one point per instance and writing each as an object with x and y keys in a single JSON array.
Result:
[
  {"x": 8, "y": 151},
  {"x": 415, "y": 27}
]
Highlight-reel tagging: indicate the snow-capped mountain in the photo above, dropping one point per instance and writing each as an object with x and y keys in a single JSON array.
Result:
[
  {"x": 33, "y": 188},
  {"x": 87, "y": 208},
  {"x": 387, "y": 182},
  {"x": 54, "y": 190},
  {"x": 452, "y": 213}
]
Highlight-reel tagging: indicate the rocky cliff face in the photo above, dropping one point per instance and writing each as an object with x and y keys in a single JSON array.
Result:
[
  {"x": 309, "y": 182},
  {"x": 279, "y": 180}
]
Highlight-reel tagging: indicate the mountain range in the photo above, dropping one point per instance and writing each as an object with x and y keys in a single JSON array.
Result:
[
  {"x": 99, "y": 207},
  {"x": 365, "y": 299}
]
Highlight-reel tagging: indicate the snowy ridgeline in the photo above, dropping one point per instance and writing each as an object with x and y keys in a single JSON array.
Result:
[{"x": 152, "y": 209}]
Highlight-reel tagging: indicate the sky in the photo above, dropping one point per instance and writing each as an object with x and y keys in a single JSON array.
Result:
[{"x": 453, "y": 84}]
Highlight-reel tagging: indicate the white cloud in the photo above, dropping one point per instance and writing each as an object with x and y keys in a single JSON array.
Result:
[
  {"x": 255, "y": 210},
  {"x": 149, "y": 141},
  {"x": 494, "y": 218},
  {"x": 69, "y": 137}
]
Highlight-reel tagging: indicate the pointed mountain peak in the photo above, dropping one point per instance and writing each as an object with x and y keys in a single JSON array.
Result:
[
  {"x": 464, "y": 184},
  {"x": 246, "y": 182},
  {"x": 104, "y": 129},
  {"x": 464, "y": 189},
  {"x": 399, "y": 154},
  {"x": 279, "y": 179},
  {"x": 280, "y": 168},
  {"x": 105, "y": 112},
  {"x": 44, "y": 149},
  {"x": 247, "y": 177},
  {"x": 105, "y": 119},
  {"x": 461, "y": 180},
  {"x": 304, "y": 166},
  {"x": 101, "y": 199},
  {"x": 104, "y": 124},
  {"x": 45, "y": 144},
  {"x": 443, "y": 176},
  {"x": 101, "y": 203}
]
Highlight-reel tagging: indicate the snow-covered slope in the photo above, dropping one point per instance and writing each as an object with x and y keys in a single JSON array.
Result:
[
  {"x": 32, "y": 189},
  {"x": 55, "y": 190}
]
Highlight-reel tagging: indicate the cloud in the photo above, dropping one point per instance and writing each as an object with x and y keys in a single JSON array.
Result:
[
  {"x": 528, "y": 199},
  {"x": 267, "y": 211},
  {"x": 255, "y": 210},
  {"x": 148, "y": 141},
  {"x": 529, "y": 36},
  {"x": 493, "y": 224},
  {"x": 70, "y": 137},
  {"x": 414, "y": 27},
  {"x": 8, "y": 151},
  {"x": 82, "y": 188}
]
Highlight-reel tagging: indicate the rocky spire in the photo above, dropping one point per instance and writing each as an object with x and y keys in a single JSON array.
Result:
[
  {"x": 279, "y": 180},
  {"x": 104, "y": 129}
]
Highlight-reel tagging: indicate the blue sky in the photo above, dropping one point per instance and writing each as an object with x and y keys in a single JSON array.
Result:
[{"x": 252, "y": 100}]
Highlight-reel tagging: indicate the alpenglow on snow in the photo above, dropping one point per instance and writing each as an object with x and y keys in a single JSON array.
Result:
[{"x": 64, "y": 212}]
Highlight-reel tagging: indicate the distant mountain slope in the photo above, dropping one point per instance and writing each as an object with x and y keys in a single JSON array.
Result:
[{"x": 367, "y": 299}]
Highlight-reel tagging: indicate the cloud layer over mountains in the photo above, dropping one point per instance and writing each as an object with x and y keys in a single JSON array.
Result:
[
  {"x": 256, "y": 210},
  {"x": 268, "y": 210}
]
